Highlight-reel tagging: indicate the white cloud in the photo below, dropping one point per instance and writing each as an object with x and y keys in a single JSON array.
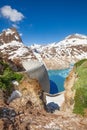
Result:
[{"x": 11, "y": 14}]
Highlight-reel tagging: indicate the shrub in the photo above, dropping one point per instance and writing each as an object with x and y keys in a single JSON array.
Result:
[{"x": 7, "y": 76}]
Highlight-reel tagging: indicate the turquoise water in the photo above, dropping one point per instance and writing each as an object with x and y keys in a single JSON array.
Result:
[{"x": 57, "y": 78}]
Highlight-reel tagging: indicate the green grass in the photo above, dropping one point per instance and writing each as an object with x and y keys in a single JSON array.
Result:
[
  {"x": 7, "y": 76},
  {"x": 80, "y": 101},
  {"x": 81, "y": 87},
  {"x": 77, "y": 64}
]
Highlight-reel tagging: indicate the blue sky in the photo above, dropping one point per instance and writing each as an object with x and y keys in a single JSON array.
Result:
[{"x": 44, "y": 21}]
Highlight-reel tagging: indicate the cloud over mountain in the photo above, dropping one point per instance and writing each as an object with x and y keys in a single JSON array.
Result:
[{"x": 11, "y": 14}]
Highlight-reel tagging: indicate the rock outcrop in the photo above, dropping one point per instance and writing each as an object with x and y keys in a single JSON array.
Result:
[
  {"x": 31, "y": 93},
  {"x": 21, "y": 92},
  {"x": 9, "y": 35},
  {"x": 69, "y": 91},
  {"x": 13, "y": 50}
]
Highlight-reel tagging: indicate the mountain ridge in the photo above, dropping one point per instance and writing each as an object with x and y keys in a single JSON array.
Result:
[
  {"x": 63, "y": 53},
  {"x": 57, "y": 55}
]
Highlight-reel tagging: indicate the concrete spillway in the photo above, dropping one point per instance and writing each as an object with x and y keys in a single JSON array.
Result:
[
  {"x": 37, "y": 70},
  {"x": 56, "y": 98}
]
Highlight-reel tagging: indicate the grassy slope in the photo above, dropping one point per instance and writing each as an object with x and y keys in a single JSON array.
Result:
[{"x": 81, "y": 87}]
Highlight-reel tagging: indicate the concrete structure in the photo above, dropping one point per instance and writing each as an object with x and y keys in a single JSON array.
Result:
[
  {"x": 55, "y": 98},
  {"x": 37, "y": 70}
]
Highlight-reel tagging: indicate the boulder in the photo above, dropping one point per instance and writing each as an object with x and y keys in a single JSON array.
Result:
[{"x": 51, "y": 107}]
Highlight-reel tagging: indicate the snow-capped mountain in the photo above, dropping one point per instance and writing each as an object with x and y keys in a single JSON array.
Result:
[
  {"x": 62, "y": 54},
  {"x": 54, "y": 56},
  {"x": 9, "y": 35},
  {"x": 12, "y": 47}
]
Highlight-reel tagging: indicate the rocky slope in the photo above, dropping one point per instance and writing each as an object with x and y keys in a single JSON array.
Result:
[
  {"x": 40, "y": 120},
  {"x": 62, "y": 54},
  {"x": 69, "y": 95},
  {"x": 26, "y": 111},
  {"x": 18, "y": 96}
]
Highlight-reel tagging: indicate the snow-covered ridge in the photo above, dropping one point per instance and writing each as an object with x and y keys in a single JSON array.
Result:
[
  {"x": 56, "y": 55},
  {"x": 9, "y": 31},
  {"x": 75, "y": 39},
  {"x": 80, "y": 36},
  {"x": 63, "y": 53},
  {"x": 11, "y": 44}
]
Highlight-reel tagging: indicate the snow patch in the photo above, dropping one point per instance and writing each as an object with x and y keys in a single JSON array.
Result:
[
  {"x": 16, "y": 37},
  {"x": 9, "y": 31}
]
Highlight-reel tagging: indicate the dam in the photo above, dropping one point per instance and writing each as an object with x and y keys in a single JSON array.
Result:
[{"x": 37, "y": 70}]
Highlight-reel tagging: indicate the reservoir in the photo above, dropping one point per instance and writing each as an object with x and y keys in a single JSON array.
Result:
[{"x": 57, "y": 78}]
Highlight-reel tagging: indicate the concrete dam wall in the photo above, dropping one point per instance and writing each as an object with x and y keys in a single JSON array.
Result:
[{"x": 37, "y": 70}]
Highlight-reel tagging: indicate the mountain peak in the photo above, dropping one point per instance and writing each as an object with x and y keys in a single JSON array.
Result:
[
  {"x": 76, "y": 36},
  {"x": 9, "y": 35}
]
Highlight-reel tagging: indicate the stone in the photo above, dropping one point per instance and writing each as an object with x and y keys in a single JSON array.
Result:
[
  {"x": 51, "y": 107},
  {"x": 7, "y": 113},
  {"x": 15, "y": 94}
]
